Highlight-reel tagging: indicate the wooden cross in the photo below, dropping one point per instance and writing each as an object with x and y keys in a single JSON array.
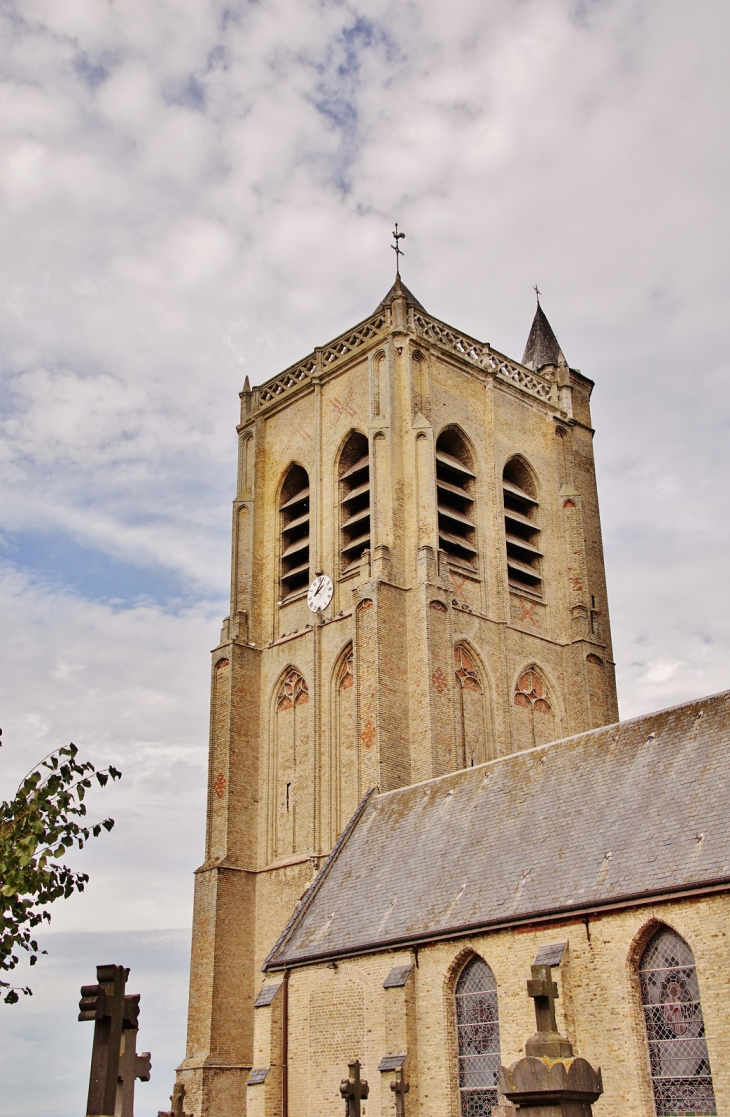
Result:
[
  {"x": 545, "y": 992},
  {"x": 400, "y": 1088},
  {"x": 354, "y": 1089},
  {"x": 104, "y": 1004},
  {"x": 131, "y": 1065},
  {"x": 397, "y": 248}
]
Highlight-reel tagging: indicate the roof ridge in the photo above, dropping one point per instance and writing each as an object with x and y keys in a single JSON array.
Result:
[{"x": 560, "y": 741}]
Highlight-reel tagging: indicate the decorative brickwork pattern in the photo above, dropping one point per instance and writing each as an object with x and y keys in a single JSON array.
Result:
[
  {"x": 345, "y": 776},
  {"x": 219, "y": 758}
]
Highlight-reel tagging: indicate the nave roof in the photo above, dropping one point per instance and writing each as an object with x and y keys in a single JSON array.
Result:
[{"x": 627, "y": 812}]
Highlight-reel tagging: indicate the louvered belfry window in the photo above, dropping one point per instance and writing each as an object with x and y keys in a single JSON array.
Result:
[
  {"x": 354, "y": 476},
  {"x": 524, "y": 556},
  {"x": 675, "y": 1031},
  {"x": 477, "y": 1026},
  {"x": 455, "y": 481},
  {"x": 294, "y": 516}
]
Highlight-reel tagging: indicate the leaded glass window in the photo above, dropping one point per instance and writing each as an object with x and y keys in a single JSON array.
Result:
[
  {"x": 477, "y": 1026},
  {"x": 675, "y": 1031}
]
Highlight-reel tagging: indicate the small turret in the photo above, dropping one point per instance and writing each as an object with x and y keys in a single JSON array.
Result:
[{"x": 542, "y": 345}]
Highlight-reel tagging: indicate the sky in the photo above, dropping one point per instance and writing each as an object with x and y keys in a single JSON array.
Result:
[{"x": 195, "y": 191}]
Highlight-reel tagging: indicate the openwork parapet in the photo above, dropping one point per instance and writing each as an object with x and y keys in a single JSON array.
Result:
[{"x": 483, "y": 356}]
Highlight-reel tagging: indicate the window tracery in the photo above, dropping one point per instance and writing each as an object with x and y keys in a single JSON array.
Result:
[
  {"x": 675, "y": 1032},
  {"x": 531, "y": 692},
  {"x": 477, "y": 1029},
  {"x": 347, "y": 677},
  {"x": 292, "y": 692},
  {"x": 466, "y": 672}
]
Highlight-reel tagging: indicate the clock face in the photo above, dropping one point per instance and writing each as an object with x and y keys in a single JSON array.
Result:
[{"x": 320, "y": 593}]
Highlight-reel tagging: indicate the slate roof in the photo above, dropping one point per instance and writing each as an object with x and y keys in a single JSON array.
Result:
[
  {"x": 632, "y": 810},
  {"x": 542, "y": 345}
]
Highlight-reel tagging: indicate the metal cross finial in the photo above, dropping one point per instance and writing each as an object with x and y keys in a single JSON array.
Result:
[
  {"x": 538, "y": 293},
  {"x": 397, "y": 248}
]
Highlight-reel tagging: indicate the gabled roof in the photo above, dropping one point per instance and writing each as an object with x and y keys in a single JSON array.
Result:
[
  {"x": 542, "y": 345},
  {"x": 399, "y": 288},
  {"x": 633, "y": 810}
]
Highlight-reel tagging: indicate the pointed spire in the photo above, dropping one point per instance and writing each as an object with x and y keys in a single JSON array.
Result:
[
  {"x": 246, "y": 385},
  {"x": 399, "y": 290},
  {"x": 542, "y": 345}
]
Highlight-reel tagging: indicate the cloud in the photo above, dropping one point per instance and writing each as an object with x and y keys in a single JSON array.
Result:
[{"x": 191, "y": 192}]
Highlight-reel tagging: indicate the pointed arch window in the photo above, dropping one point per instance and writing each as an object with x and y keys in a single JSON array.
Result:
[
  {"x": 522, "y": 532},
  {"x": 678, "y": 1060},
  {"x": 292, "y": 692},
  {"x": 354, "y": 477},
  {"x": 477, "y": 1028},
  {"x": 471, "y": 736},
  {"x": 535, "y": 715},
  {"x": 294, "y": 529},
  {"x": 455, "y": 481},
  {"x": 345, "y": 782}
]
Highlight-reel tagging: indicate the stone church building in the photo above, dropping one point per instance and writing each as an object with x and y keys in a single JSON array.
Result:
[{"x": 418, "y": 787}]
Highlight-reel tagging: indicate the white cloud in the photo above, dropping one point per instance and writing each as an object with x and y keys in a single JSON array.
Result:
[{"x": 194, "y": 191}]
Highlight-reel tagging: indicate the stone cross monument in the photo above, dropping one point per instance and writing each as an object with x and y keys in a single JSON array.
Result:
[
  {"x": 549, "y": 1080},
  {"x": 115, "y": 1063},
  {"x": 400, "y": 1088},
  {"x": 354, "y": 1090}
]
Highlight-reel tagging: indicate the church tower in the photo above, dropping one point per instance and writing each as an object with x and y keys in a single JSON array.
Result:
[{"x": 440, "y": 500}]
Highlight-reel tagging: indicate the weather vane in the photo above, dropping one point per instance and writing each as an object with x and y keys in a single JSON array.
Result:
[
  {"x": 397, "y": 248},
  {"x": 536, "y": 290}
]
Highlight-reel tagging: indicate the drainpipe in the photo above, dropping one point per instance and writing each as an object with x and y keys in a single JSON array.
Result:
[{"x": 285, "y": 1046}]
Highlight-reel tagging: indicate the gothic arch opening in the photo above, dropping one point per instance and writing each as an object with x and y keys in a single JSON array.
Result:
[
  {"x": 522, "y": 530},
  {"x": 290, "y": 768},
  {"x": 534, "y": 707},
  {"x": 345, "y": 790},
  {"x": 354, "y": 495},
  {"x": 679, "y": 1063},
  {"x": 455, "y": 497},
  {"x": 294, "y": 530},
  {"x": 473, "y": 726},
  {"x": 477, "y": 1033}
]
